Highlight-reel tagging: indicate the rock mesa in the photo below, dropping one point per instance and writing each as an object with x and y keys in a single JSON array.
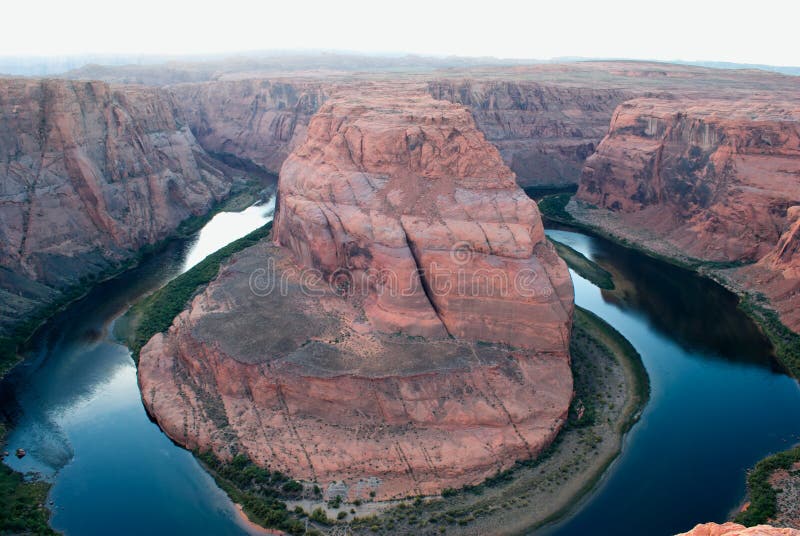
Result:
[{"x": 380, "y": 343}]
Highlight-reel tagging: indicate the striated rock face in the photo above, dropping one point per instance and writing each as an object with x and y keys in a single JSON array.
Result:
[
  {"x": 259, "y": 121},
  {"x": 777, "y": 274},
  {"x": 402, "y": 185},
  {"x": 337, "y": 354},
  {"x": 733, "y": 529},
  {"x": 717, "y": 180},
  {"x": 544, "y": 132},
  {"x": 89, "y": 173}
]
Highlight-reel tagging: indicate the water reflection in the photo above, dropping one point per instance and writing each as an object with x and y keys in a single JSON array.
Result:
[
  {"x": 717, "y": 404},
  {"x": 696, "y": 313},
  {"x": 75, "y": 407},
  {"x": 226, "y": 227}
]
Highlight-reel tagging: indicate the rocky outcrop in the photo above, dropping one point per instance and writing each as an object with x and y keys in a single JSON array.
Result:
[
  {"x": 407, "y": 184},
  {"x": 89, "y": 173},
  {"x": 714, "y": 180},
  {"x": 544, "y": 132},
  {"x": 777, "y": 274},
  {"x": 256, "y": 120},
  {"x": 733, "y": 529},
  {"x": 408, "y": 330}
]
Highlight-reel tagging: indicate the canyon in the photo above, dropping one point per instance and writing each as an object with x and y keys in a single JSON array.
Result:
[
  {"x": 545, "y": 119},
  {"x": 258, "y": 121},
  {"x": 152, "y": 155},
  {"x": 91, "y": 174},
  {"x": 708, "y": 181},
  {"x": 406, "y": 331},
  {"x": 544, "y": 132},
  {"x": 375, "y": 389}
]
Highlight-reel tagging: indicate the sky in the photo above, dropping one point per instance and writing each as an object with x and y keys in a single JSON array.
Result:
[{"x": 765, "y": 31}]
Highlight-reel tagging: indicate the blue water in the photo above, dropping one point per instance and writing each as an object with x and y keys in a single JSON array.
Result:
[
  {"x": 718, "y": 402},
  {"x": 75, "y": 407}
]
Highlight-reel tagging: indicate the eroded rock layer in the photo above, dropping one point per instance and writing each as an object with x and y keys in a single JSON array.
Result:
[
  {"x": 396, "y": 187},
  {"x": 255, "y": 120},
  {"x": 381, "y": 345},
  {"x": 544, "y": 132},
  {"x": 715, "y": 180},
  {"x": 89, "y": 173},
  {"x": 733, "y": 529}
]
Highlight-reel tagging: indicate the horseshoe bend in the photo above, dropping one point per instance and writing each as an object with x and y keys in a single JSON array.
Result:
[{"x": 407, "y": 328}]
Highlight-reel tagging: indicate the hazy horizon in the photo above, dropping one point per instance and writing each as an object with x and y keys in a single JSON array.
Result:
[
  {"x": 54, "y": 65},
  {"x": 684, "y": 31}
]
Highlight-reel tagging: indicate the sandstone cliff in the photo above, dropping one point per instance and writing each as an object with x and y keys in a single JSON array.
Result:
[
  {"x": 349, "y": 353},
  {"x": 711, "y": 180},
  {"x": 733, "y": 529},
  {"x": 255, "y": 120},
  {"x": 89, "y": 173},
  {"x": 544, "y": 132},
  {"x": 545, "y": 119},
  {"x": 401, "y": 183}
]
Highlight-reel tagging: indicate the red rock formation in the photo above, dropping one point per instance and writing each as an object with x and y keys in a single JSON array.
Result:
[
  {"x": 89, "y": 173},
  {"x": 545, "y": 119},
  {"x": 733, "y": 529},
  {"x": 777, "y": 274},
  {"x": 404, "y": 184},
  {"x": 260, "y": 121},
  {"x": 715, "y": 180},
  {"x": 544, "y": 132},
  {"x": 324, "y": 374}
]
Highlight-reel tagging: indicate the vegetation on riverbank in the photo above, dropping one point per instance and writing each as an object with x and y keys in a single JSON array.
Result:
[
  {"x": 155, "y": 313},
  {"x": 260, "y": 492},
  {"x": 785, "y": 342},
  {"x": 591, "y": 326},
  {"x": 611, "y": 387},
  {"x": 553, "y": 208},
  {"x": 11, "y": 344},
  {"x": 22, "y": 509},
  {"x": 539, "y": 192},
  {"x": 763, "y": 497},
  {"x": 585, "y": 267}
]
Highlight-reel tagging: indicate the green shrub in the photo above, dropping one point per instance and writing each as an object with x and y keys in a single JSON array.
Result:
[
  {"x": 155, "y": 313},
  {"x": 259, "y": 491},
  {"x": 319, "y": 516},
  {"x": 785, "y": 341},
  {"x": 554, "y": 208},
  {"x": 763, "y": 497}
]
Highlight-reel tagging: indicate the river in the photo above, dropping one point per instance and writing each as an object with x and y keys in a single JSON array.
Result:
[
  {"x": 719, "y": 403},
  {"x": 75, "y": 407}
]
